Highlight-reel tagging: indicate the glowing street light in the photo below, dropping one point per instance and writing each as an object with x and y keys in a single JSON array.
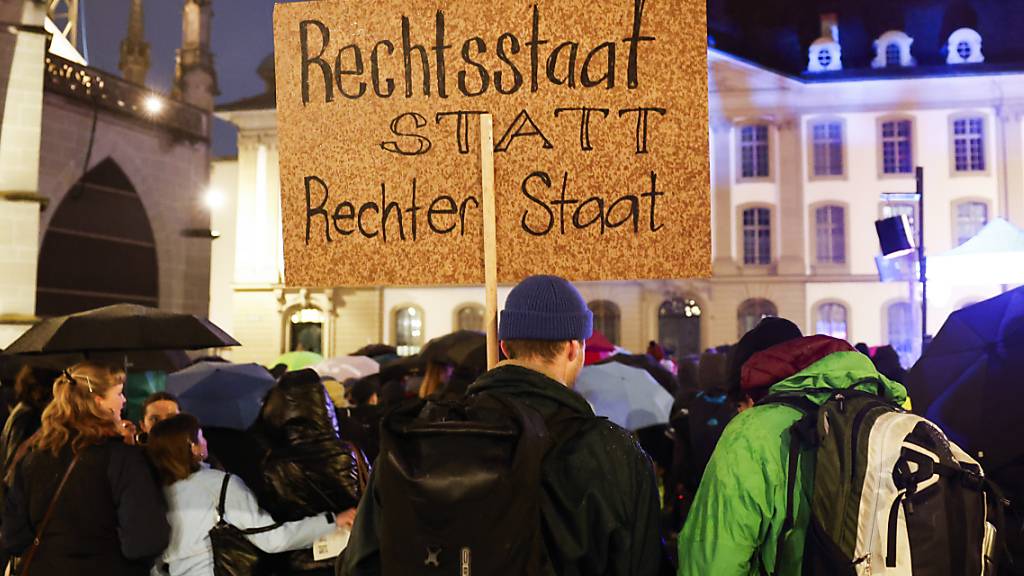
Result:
[
  {"x": 213, "y": 199},
  {"x": 153, "y": 104}
]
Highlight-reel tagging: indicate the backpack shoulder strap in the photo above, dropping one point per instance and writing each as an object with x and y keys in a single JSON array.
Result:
[{"x": 802, "y": 433}]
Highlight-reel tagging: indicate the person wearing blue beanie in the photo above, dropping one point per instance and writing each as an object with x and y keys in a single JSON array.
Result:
[
  {"x": 599, "y": 509},
  {"x": 546, "y": 323},
  {"x": 545, "y": 308}
]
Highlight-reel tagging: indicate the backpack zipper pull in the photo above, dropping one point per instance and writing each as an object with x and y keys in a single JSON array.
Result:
[{"x": 842, "y": 403}]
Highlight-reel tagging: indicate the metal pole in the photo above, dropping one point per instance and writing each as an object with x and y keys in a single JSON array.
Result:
[{"x": 919, "y": 173}]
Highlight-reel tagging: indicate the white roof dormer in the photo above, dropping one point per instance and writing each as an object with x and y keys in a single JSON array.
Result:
[
  {"x": 892, "y": 50},
  {"x": 825, "y": 55},
  {"x": 964, "y": 47}
]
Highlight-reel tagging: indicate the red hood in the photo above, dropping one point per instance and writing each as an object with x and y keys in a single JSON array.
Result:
[
  {"x": 775, "y": 364},
  {"x": 599, "y": 343}
]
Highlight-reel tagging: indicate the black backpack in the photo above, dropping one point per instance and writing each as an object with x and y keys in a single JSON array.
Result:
[{"x": 459, "y": 486}]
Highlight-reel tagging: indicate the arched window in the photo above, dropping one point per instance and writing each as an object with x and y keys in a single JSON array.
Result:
[
  {"x": 679, "y": 326},
  {"x": 832, "y": 320},
  {"x": 306, "y": 330},
  {"x": 893, "y": 55},
  {"x": 606, "y": 319},
  {"x": 902, "y": 329},
  {"x": 470, "y": 317},
  {"x": 752, "y": 311},
  {"x": 99, "y": 247},
  {"x": 408, "y": 330}
]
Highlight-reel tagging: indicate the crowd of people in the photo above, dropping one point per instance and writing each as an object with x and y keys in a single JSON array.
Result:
[{"x": 86, "y": 492}]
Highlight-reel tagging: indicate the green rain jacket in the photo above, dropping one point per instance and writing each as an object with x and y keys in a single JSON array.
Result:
[
  {"x": 738, "y": 511},
  {"x": 599, "y": 505}
]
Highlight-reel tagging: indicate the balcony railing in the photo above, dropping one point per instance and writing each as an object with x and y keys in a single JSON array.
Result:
[{"x": 96, "y": 88}]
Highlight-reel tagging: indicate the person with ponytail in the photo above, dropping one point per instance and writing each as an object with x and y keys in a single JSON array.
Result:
[{"x": 81, "y": 500}]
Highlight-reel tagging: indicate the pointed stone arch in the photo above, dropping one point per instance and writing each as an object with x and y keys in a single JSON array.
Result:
[{"x": 98, "y": 248}]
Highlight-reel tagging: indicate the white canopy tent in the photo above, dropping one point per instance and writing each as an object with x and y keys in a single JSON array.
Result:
[{"x": 994, "y": 256}]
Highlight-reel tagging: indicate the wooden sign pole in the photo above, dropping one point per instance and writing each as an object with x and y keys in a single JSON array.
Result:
[{"x": 490, "y": 236}]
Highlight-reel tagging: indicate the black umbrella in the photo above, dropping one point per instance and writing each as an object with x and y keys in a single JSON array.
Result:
[
  {"x": 399, "y": 367},
  {"x": 648, "y": 363},
  {"x": 118, "y": 328},
  {"x": 373, "y": 350},
  {"x": 130, "y": 360},
  {"x": 969, "y": 379},
  {"x": 463, "y": 349}
]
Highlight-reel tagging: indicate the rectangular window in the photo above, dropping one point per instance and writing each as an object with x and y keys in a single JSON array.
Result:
[
  {"x": 830, "y": 233},
  {"x": 754, "y": 151},
  {"x": 971, "y": 217},
  {"x": 757, "y": 236},
  {"x": 908, "y": 209},
  {"x": 896, "y": 148},
  {"x": 969, "y": 144},
  {"x": 827, "y": 141}
]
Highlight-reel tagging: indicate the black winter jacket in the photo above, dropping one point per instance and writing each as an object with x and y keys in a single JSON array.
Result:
[
  {"x": 111, "y": 518},
  {"x": 308, "y": 470},
  {"x": 23, "y": 422}
]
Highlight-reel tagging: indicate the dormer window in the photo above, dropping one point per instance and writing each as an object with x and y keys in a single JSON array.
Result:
[
  {"x": 892, "y": 50},
  {"x": 964, "y": 47},
  {"x": 825, "y": 55},
  {"x": 892, "y": 56}
]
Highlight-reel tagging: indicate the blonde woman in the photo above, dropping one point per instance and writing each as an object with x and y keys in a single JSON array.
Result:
[{"x": 109, "y": 516}]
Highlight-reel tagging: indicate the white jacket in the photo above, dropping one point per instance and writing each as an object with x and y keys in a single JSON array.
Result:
[{"x": 192, "y": 512}]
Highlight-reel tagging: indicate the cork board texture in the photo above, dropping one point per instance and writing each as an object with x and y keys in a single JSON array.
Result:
[{"x": 600, "y": 131}]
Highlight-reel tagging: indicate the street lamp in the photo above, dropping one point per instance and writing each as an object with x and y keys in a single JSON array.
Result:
[
  {"x": 153, "y": 104},
  {"x": 894, "y": 235},
  {"x": 213, "y": 199}
]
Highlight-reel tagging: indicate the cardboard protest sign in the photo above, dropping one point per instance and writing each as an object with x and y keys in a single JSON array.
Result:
[{"x": 600, "y": 139}]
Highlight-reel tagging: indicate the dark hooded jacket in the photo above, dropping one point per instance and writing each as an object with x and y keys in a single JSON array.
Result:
[
  {"x": 308, "y": 470},
  {"x": 599, "y": 505},
  {"x": 110, "y": 519}
]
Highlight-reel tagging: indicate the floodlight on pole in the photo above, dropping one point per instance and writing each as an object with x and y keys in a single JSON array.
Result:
[{"x": 894, "y": 236}]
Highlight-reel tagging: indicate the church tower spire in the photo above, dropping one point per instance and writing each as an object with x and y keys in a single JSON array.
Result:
[
  {"x": 134, "y": 62},
  {"x": 195, "y": 78}
]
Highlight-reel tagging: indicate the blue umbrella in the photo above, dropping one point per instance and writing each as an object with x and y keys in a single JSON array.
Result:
[
  {"x": 969, "y": 379},
  {"x": 221, "y": 394},
  {"x": 628, "y": 396}
]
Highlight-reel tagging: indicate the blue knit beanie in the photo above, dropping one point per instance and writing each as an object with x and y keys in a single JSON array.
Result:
[{"x": 545, "y": 308}]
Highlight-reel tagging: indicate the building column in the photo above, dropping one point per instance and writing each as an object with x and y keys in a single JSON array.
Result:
[
  {"x": 791, "y": 220},
  {"x": 1010, "y": 141},
  {"x": 20, "y": 137},
  {"x": 721, "y": 198}
]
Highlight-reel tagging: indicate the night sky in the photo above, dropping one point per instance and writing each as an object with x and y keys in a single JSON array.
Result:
[{"x": 242, "y": 37}]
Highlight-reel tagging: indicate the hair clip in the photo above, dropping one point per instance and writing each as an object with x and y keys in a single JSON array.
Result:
[{"x": 73, "y": 381}]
